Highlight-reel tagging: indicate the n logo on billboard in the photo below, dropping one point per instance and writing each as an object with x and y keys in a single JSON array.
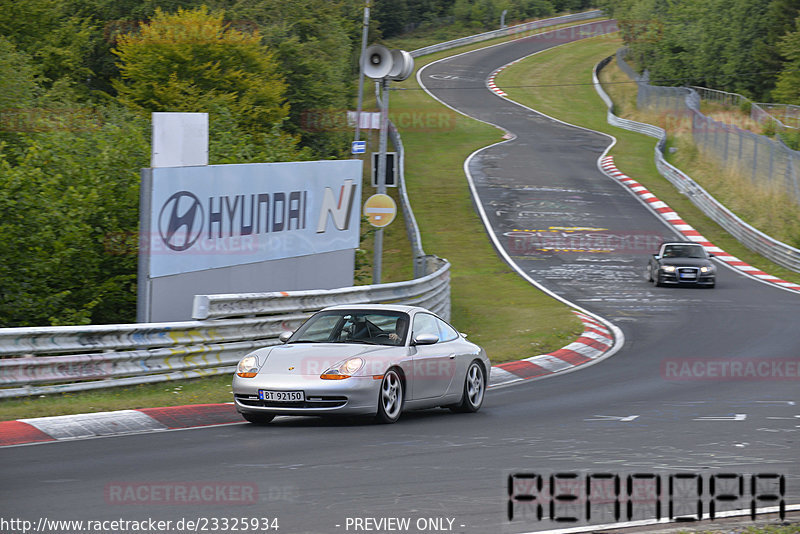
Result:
[{"x": 339, "y": 209}]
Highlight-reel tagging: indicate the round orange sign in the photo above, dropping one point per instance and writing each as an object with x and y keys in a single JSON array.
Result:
[{"x": 380, "y": 210}]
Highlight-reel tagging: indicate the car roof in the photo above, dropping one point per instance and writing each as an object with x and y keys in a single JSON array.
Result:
[
  {"x": 681, "y": 243},
  {"x": 383, "y": 307}
]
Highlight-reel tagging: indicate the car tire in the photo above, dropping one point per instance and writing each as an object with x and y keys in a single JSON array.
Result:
[
  {"x": 474, "y": 389},
  {"x": 657, "y": 281},
  {"x": 258, "y": 418},
  {"x": 390, "y": 398}
]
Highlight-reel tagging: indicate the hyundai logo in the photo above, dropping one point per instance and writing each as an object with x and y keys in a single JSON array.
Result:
[{"x": 181, "y": 220}]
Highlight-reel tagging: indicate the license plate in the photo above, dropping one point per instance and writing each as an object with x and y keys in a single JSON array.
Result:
[
  {"x": 281, "y": 396},
  {"x": 688, "y": 275}
]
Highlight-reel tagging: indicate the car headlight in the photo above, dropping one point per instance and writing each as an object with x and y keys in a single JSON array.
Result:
[
  {"x": 668, "y": 268},
  {"x": 248, "y": 367},
  {"x": 709, "y": 269},
  {"x": 343, "y": 370}
]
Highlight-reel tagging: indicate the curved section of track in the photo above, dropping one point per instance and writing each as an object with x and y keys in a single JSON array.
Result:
[{"x": 635, "y": 412}]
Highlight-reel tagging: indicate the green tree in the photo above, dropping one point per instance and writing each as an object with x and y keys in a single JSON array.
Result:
[
  {"x": 192, "y": 61},
  {"x": 787, "y": 89},
  {"x": 18, "y": 85},
  {"x": 57, "y": 42},
  {"x": 780, "y": 18},
  {"x": 312, "y": 42},
  {"x": 723, "y": 44},
  {"x": 68, "y": 233}
]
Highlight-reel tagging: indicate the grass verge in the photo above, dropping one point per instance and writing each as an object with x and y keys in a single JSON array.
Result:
[
  {"x": 207, "y": 390},
  {"x": 540, "y": 82}
]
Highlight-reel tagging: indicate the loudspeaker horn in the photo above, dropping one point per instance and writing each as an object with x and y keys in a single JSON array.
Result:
[
  {"x": 402, "y": 65},
  {"x": 377, "y": 62}
]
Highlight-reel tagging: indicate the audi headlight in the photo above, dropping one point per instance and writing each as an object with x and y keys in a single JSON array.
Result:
[
  {"x": 248, "y": 367},
  {"x": 709, "y": 269},
  {"x": 668, "y": 268},
  {"x": 343, "y": 370}
]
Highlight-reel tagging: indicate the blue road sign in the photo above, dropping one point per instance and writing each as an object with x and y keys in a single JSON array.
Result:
[{"x": 359, "y": 147}]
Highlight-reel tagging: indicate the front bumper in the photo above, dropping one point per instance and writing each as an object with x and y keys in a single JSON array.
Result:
[
  {"x": 687, "y": 276},
  {"x": 356, "y": 395}
]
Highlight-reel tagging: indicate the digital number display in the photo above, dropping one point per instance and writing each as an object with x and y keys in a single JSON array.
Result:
[{"x": 570, "y": 497}]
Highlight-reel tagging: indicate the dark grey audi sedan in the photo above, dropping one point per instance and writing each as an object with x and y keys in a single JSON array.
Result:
[{"x": 682, "y": 263}]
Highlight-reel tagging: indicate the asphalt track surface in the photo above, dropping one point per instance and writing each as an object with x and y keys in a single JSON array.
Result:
[{"x": 627, "y": 414}]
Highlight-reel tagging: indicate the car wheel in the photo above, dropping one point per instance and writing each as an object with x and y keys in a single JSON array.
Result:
[
  {"x": 474, "y": 388},
  {"x": 258, "y": 418},
  {"x": 390, "y": 398},
  {"x": 657, "y": 281}
]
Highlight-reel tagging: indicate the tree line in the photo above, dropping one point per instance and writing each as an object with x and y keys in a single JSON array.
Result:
[
  {"x": 399, "y": 16},
  {"x": 751, "y": 47}
]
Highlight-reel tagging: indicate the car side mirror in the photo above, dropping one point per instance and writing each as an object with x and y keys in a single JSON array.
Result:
[
  {"x": 426, "y": 339},
  {"x": 284, "y": 337},
  {"x": 656, "y": 256},
  {"x": 463, "y": 335},
  {"x": 710, "y": 255}
]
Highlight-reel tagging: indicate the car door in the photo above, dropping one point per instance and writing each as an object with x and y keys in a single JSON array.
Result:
[{"x": 434, "y": 366}]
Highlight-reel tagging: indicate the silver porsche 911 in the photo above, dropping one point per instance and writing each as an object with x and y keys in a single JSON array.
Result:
[{"x": 363, "y": 360}]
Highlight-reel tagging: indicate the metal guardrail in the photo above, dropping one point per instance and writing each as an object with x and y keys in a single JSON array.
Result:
[
  {"x": 752, "y": 238},
  {"x": 98, "y": 356},
  {"x": 503, "y": 32},
  {"x": 431, "y": 291},
  {"x": 412, "y": 229}
]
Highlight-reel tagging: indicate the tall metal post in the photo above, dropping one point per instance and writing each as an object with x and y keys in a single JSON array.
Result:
[
  {"x": 377, "y": 262},
  {"x": 364, "y": 35}
]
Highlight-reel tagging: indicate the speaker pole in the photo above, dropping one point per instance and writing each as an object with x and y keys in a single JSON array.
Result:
[
  {"x": 377, "y": 262},
  {"x": 364, "y": 35}
]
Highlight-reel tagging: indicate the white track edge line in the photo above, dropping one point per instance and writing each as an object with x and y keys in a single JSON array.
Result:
[{"x": 648, "y": 522}]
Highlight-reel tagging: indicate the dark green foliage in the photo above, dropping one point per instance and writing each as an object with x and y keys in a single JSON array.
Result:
[
  {"x": 69, "y": 200},
  {"x": 316, "y": 49},
  {"x": 787, "y": 88},
  {"x": 732, "y": 45}
]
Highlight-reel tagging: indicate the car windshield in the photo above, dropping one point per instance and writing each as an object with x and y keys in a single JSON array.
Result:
[
  {"x": 684, "y": 251},
  {"x": 369, "y": 327}
]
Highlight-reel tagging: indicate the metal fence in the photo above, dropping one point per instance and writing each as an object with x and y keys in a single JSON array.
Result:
[
  {"x": 503, "y": 32},
  {"x": 769, "y": 163},
  {"x": 787, "y": 115},
  {"x": 752, "y": 238}
]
